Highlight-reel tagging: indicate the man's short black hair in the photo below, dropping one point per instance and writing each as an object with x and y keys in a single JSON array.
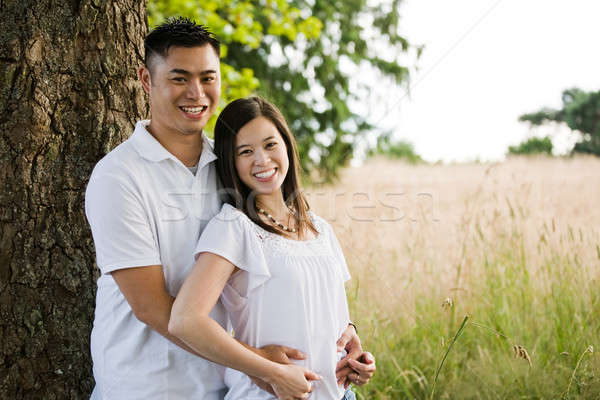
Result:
[{"x": 179, "y": 31}]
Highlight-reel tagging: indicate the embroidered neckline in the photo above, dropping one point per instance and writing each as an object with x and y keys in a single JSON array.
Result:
[{"x": 262, "y": 230}]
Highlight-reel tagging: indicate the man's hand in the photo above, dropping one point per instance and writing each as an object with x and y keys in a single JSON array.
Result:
[
  {"x": 278, "y": 354},
  {"x": 358, "y": 366},
  {"x": 363, "y": 369}
]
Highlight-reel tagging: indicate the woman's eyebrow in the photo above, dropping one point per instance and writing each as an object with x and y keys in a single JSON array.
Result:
[
  {"x": 264, "y": 140},
  {"x": 247, "y": 145}
]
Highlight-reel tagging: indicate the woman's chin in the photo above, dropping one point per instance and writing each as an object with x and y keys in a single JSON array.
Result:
[
  {"x": 267, "y": 191},
  {"x": 273, "y": 188}
]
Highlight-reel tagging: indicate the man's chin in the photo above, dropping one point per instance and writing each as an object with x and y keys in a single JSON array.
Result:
[
  {"x": 191, "y": 133},
  {"x": 192, "y": 130}
]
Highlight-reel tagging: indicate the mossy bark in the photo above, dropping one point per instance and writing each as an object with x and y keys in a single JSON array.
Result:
[{"x": 68, "y": 94}]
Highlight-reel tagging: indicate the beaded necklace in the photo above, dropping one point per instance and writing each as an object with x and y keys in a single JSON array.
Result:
[{"x": 279, "y": 224}]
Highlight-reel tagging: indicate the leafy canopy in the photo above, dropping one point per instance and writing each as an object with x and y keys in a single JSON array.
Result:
[{"x": 301, "y": 55}]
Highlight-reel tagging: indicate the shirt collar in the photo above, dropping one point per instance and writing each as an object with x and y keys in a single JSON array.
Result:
[
  {"x": 208, "y": 154},
  {"x": 149, "y": 148}
]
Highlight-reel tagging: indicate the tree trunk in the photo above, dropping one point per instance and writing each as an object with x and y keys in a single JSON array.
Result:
[{"x": 68, "y": 94}]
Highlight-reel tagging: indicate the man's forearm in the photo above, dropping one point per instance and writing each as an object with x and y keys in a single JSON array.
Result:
[{"x": 159, "y": 321}]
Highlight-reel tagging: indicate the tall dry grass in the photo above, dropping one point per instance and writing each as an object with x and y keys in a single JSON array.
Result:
[{"x": 514, "y": 245}]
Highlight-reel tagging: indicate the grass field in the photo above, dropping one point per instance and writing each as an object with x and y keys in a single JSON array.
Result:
[{"x": 514, "y": 246}]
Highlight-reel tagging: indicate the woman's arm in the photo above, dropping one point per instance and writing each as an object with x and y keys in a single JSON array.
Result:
[{"x": 190, "y": 322}]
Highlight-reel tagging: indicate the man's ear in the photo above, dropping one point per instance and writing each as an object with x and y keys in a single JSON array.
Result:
[{"x": 145, "y": 78}]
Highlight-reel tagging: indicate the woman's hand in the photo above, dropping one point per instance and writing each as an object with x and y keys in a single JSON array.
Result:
[
  {"x": 278, "y": 354},
  {"x": 292, "y": 382}
]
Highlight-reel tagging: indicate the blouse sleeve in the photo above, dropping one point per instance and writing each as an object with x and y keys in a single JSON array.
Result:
[
  {"x": 338, "y": 254},
  {"x": 230, "y": 235}
]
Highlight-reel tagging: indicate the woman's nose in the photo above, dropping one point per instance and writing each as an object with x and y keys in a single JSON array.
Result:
[{"x": 261, "y": 157}]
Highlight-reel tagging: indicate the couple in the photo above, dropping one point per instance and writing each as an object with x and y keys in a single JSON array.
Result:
[{"x": 180, "y": 270}]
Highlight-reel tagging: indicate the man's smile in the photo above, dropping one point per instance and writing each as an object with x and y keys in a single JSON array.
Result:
[{"x": 193, "y": 109}]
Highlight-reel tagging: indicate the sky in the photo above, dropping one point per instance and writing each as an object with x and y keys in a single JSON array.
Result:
[{"x": 485, "y": 63}]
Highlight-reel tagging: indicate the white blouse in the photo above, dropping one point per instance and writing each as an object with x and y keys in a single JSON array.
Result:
[{"x": 288, "y": 292}]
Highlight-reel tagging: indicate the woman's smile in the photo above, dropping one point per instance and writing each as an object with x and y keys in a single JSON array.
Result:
[{"x": 266, "y": 176}]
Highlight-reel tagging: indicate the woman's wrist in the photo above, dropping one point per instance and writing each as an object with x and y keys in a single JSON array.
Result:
[{"x": 274, "y": 373}]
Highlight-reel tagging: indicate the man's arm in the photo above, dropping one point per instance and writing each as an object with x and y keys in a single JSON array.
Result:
[{"x": 145, "y": 290}]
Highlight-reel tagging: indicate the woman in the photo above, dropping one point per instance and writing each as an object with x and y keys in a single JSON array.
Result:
[{"x": 278, "y": 268}]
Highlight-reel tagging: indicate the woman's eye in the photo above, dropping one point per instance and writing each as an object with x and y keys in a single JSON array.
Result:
[
  {"x": 244, "y": 152},
  {"x": 271, "y": 145}
]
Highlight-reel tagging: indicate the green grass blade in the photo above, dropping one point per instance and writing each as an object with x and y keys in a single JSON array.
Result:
[{"x": 437, "y": 373}]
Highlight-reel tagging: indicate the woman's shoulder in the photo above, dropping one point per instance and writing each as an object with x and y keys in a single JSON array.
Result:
[
  {"x": 231, "y": 215},
  {"x": 227, "y": 210},
  {"x": 229, "y": 225},
  {"x": 315, "y": 218},
  {"x": 320, "y": 223}
]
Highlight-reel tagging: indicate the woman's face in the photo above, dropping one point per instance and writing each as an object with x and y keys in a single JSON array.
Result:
[{"x": 261, "y": 157}]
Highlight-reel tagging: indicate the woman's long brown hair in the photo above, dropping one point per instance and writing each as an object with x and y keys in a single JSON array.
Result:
[{"x": 233, "y": 117}]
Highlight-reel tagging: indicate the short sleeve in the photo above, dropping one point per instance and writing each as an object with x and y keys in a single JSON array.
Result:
[
  {"x": 338, "y": 253},
  {"x": 230, "y": 234},
  {"x": 120, "y": 225}
]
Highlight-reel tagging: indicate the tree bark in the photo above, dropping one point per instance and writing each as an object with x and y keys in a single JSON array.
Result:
[{"x": 68, "y": 94}]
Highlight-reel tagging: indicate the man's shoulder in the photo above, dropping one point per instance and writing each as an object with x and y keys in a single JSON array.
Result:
[{"x": 119, "y": 161}]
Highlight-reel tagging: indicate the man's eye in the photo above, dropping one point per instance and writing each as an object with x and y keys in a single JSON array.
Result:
[
  {"x": 179, "y": 79},
  {"x": 209, "y": 79}
]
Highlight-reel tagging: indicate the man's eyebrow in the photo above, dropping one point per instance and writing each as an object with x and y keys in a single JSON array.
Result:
[
  {"x": 179, "y": 71},
  {"x": 186, "y": 72}
]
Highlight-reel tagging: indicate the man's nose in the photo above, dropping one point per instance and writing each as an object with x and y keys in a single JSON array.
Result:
[{"x": 195, "y": 89}]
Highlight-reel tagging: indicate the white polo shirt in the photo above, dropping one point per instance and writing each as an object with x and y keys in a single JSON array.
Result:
[{"x": 145, "y": 207}]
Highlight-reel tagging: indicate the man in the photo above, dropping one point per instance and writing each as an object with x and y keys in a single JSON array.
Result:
[{"x": 147, "y": 202}]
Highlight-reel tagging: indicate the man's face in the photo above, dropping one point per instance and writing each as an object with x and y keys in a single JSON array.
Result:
[{"x": 184, "y": 89}]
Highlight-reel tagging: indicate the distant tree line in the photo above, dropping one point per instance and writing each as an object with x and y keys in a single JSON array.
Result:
[
  {"x": 394, "y": 149},
  {"x": 532, "y": 145},
  {"x": 580, "y": 111}
]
